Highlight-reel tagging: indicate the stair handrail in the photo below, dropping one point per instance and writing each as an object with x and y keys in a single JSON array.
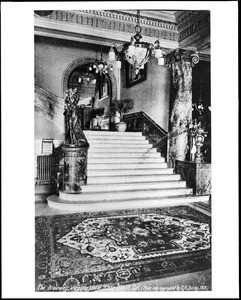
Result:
[
  {"x": 161, "y": 139},
  {"x": 43, "y": 91},
  {"x": 148, "y": 118},
  {"x": 154, "y": 132}
]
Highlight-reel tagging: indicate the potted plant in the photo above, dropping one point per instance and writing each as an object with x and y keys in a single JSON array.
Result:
[
  {"x": 96, "y": 115},
  {"x": 122, "y": 107}
]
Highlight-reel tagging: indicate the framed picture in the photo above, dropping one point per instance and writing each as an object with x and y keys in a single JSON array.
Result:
[
  {"x": 132, "y": 78},
  {"x": 47, "y": 146}
]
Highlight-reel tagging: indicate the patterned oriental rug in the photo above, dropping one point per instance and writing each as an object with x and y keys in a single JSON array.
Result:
[{"x": 93, "y": 251}]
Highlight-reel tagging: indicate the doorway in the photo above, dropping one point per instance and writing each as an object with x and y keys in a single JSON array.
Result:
[{"x": 95, "y": 94}]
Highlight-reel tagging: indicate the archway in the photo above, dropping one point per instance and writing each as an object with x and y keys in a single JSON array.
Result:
[
  {"x": 85, "y": 61},
  {"x": 95, "y": 91}
]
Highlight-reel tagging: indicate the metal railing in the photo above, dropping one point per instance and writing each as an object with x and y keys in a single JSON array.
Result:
[
  {"x": 141, "y": 122},
  {"x": 159, "y": 138}
]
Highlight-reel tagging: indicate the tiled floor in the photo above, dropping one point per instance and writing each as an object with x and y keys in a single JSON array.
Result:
[{"x": 192, "y": 281}]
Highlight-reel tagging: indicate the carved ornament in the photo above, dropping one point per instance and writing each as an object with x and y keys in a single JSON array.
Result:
[
  {"x": 190, "y": 19},
  {"x": 195, "y": 27},
  {"x": 179, "y": 55},
  {"x": 115, "y": 21}
]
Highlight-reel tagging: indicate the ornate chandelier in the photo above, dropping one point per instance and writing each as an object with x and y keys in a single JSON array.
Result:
[
  {"x": 137, "y": 53},
  {"x": 100, "y": 66}
]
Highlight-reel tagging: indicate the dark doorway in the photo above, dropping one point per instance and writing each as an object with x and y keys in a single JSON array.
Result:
[{"x": 94, "y": 92}]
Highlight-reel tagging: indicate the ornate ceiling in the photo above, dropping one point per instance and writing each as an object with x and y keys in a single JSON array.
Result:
[{"x": 174, "y": 29}]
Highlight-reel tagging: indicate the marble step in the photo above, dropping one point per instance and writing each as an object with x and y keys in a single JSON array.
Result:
[
  {"x": 126, "y": 160},
  {"x": 115, "y": 138},
  {"x": 120, "y": 146},
  {"x": 118, "y": 155},
  {"x": 132, "y": 178},
  {"x": 124, "y": 195},
  {"x": 131, "y": 186},
  {"x": 125, "y": 172},
  {"x": 111, "y": 133},
  {"x": 90, "y": 206},
  {"x": 118, "y": 142},
  {"x": 120, "y": 165},
  {"x": 124, "y": 150}
]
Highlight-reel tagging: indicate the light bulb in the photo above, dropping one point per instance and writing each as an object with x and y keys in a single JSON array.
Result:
[
  {"x": 118, "y": 64},
  {"x": 158, "y": 53},
  {"x": 111, "y": 54},
  {"x": 161, "y": 61}
]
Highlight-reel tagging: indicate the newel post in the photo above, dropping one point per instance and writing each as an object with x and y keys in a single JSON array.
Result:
[{"x": 181, "y": 63}]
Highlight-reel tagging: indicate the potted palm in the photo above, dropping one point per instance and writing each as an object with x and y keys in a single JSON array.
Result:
[{"x": 120, "y": 107}]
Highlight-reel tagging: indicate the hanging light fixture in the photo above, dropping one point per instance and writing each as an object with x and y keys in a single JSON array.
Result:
[
  {"x": 137, "y": 53},
  {"x": 199, "y": 106},
  {"x": 100, "y": 67},
  {"x": 85, "y": 79}
]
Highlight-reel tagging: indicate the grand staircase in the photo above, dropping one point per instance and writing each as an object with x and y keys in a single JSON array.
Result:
[{"x": 124, "y": 172}]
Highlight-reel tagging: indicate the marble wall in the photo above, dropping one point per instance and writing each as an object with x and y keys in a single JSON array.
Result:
[
  {"x": 197, "y": 176},
  {"x": 151, "y": 95}
]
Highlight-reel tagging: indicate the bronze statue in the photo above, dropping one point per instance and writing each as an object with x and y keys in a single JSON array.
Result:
[{"x": 73, "y": 131}]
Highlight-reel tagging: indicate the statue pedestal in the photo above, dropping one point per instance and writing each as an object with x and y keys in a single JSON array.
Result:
[
  {"x": 75, "y": 165},
  {"x": 197, "y": 176}
]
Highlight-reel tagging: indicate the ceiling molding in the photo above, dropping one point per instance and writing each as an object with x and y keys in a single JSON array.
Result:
[
  {"x": 205, "y": 57},
  {"x": 183, "y": 15},
  {"x": 202, "y": 21},
  {"x": 105, "y": 27},
  {"x": 71, "y": 37},
  {"x": 156, "y": 15},
  {"x": 192, "y": 19},
  {"x": 117, "y": 22},
  {"x": 197, "y": 40},
  {"x": 76, "y": 32},
  {"x": 130, "y": 16}
]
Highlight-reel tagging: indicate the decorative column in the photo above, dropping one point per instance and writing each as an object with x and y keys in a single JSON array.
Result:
[{"x": 181, "y": 63}]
